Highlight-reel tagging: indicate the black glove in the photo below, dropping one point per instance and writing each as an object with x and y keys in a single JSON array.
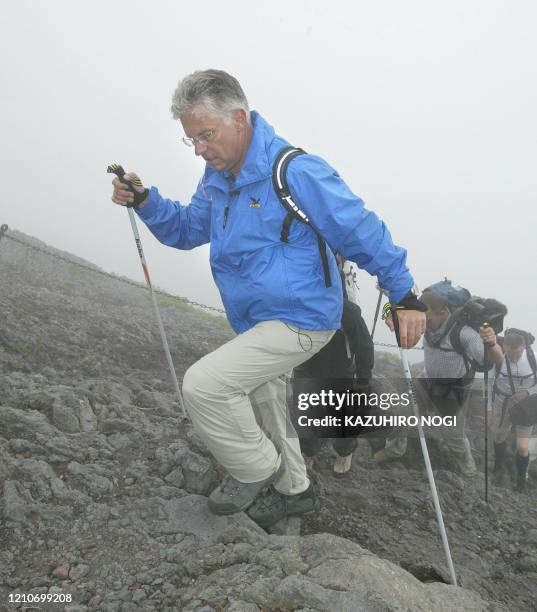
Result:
[
  {"x": 139, "y": 198},
  {"x": 410, "y": 302}
]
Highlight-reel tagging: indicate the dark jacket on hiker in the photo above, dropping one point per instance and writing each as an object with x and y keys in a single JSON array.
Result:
[{"x": 349, "y": 354}]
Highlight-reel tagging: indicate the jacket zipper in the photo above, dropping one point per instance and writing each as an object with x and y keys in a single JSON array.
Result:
[{"x": 233, "y": 193}]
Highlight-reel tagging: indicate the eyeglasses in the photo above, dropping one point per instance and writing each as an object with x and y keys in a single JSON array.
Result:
[{"x": 204, "y": 137}]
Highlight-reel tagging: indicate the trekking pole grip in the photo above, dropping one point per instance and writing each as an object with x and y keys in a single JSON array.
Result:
[
  {"x": 391, "y": 310},
  {"x": 118, "y": 170}
]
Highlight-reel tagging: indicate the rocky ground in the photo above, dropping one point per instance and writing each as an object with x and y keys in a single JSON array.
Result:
[
  {"x": 388, "y": 510},
  {"x": 103, "y": 483}
]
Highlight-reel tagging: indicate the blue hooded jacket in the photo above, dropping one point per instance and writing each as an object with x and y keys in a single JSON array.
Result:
[{"x": 261, "y": 278}]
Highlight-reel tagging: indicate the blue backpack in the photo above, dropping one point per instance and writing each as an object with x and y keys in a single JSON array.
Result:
[{"x": 456, "y": 296}]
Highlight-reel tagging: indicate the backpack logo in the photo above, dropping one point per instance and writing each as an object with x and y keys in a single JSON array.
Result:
[{"x": 254, "y": 203}]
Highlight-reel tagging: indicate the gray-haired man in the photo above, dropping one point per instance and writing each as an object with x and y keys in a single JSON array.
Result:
[{"x": 283, "y": 302}]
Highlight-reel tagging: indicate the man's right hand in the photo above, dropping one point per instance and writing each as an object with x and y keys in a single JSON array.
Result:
[
  {"x": 488, "y": 335},
  {"x": 122, "y": 194},
  {"x": 519, "y": 396},
  {"x": 412, "y": 325}
]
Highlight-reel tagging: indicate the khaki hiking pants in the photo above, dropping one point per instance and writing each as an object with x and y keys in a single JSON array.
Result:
[{"x": 235, "y": 397}]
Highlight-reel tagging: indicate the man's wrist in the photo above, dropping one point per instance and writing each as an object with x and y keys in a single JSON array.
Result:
[
  {"x": 410, "y": 302},
  {"x": 140, "y": 199},
  {"x": 144, "y": 201}
]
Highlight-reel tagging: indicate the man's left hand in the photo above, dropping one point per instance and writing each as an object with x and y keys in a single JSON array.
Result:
[{"x": 411, "y": 326}]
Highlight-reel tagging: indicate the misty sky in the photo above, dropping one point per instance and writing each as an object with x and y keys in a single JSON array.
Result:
[{"x": 427, "y": 109}]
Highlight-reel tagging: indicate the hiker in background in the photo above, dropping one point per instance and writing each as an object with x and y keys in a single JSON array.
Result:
[
  {"x": 452, "y": 353},
  {"x": 278, "y": 281},
  {"x": 349, "y": 354},
  {"x": 515, "y": 381}
]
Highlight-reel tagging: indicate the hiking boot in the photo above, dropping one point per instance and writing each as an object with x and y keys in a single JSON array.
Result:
[
  {"x": 342, "y": 465},
  {"x": 274, "y": 506},
  {"x": 465, "y": 463},
  {"x": 375, "y": 444},
  {"x": 462, "y": 454},
  {"x": 233, "y": 496},
  {"x": 521, "y": 485},
  {"x": 500, "y": 477},
  {"x": 395, "y": 448}
]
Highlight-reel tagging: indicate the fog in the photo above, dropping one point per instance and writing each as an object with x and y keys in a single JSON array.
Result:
[{"x": 427, "y": 110}]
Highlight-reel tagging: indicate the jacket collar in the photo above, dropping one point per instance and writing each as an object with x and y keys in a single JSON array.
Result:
[{"x": 257, "y": 165}]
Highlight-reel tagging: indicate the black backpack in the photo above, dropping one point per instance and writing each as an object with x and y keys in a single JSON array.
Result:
[
  {"x": 279, "y": 181},
  {"x": 474, "y": 312}
]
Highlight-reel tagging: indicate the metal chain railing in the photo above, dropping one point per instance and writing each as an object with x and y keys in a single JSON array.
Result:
[
  {"x": 415, "y": 348},
  {"x": 107, "y": 274},
  {"x": 3, "y": 234}
]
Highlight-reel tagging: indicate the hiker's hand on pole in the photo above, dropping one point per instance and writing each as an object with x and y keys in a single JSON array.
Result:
[
  {"x": 411, "y": 325},
  {"x": 519, "y": 396},
  {"x": 488, "y": 335},
  {"x": 407, "y": 319},
  {"x": 493, "y": 351},
  {"x": 122, "y": 193}
]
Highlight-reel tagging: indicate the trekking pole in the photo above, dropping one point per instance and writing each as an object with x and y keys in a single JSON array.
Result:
[
  {"x": 486, "y": 406},
  {"x": 120, "y": 173},
  {"x": 379, "y": 301},
  {"x": 425, "y": 451}
]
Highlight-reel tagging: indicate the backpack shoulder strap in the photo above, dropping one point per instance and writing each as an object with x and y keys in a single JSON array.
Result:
[
  {"x": 281, "y": 187},
  {"x": 531, "y": 358},
  {"x": 455, "y": 339},
  {"x": 436, "y": 343},
  {"x": 532, "y": 361},
  {"x": 510, "y": 375}
]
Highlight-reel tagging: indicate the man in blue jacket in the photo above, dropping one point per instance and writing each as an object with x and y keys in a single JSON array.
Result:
[{"x": 275, "y": 292}]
